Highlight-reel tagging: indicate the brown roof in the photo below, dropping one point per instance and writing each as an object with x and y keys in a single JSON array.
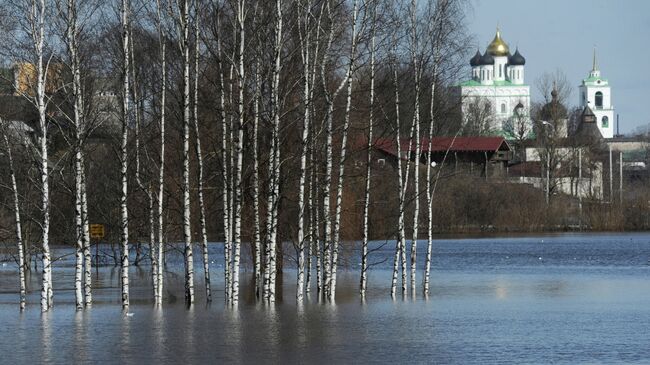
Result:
[{"x": 443, "y": 144}]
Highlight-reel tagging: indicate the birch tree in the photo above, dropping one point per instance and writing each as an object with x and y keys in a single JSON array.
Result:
[
  {"x": 17, "y": 219},
  {"x": 416, "y": 124},
  {"x": 401, "y": 185},
  {"x": 274, "y": 160},
  {"x": 330, "y": 97},
  {"x": 219, "y": 56},
  {"x": 366, "y": 200},
  {"x": 435, "y": 32},
  {"x": 37, "y": 19},
  {"x": 158, "y": 286},
  {"x": 257, "y": 239},
  {"x": 344, "y": 140},
  {"x": 199, "y": 159},
  {"x": 304, "y": 32},
  {"x": 69, "y": 13},
  {"x": 238, "y": 201},
  {"x": 124, "y": 240},
  {"x": 184, "y": 44}
]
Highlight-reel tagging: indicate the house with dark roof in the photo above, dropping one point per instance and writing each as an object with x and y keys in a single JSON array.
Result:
[{"x": 484, "y": 156}]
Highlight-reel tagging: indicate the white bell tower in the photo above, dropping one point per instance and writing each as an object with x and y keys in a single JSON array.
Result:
[{"x": 595, "y": 92}]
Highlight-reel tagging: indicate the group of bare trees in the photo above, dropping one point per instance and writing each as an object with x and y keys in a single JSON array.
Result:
[{"x": 273, "y": 96}]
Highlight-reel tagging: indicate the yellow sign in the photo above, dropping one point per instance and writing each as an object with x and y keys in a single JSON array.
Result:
[{"x": 96, "y": 231}]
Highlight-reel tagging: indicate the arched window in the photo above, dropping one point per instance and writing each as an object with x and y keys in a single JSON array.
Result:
[
  {"x": 599, "y": 99},
  {"x": 503, "y": 108},
  {"x": 500, "y": 70},
  {"x": 605, "y": 122}
]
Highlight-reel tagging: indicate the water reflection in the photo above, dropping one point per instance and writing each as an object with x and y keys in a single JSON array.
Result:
[
  {"x": 81, "y": 323},
  {"x": 481, "y": 309},
  {"x": 125, "y": 337},
  {"x": 46, "y": 335},
  {"x": 159, "y": 331}
]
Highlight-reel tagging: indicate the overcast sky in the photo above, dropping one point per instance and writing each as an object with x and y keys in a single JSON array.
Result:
[{"x": 562, "y": 34}]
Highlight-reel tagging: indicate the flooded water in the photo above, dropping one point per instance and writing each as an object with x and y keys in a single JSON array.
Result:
[{"x": 582, "y": 298}]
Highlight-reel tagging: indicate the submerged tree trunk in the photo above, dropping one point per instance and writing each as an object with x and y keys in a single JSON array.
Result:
[
  {"x": 86, "y": 234},
  {"x": 187, "y": 232},
  {"x": 437, "y": 21},
  {"x": 256, "y": 187},
  {"x": 344, "y": 141},
  {"x": 38, "y": 38},
  {"x": 274, "y": 163},
  {"x": 199, "y": 159},
  {"x": 401, "y": 240},
  {"x": 124, "y": 157},
  {"x": 416, "y": 124},
  {"x": 305, "y": 55},
  {"x": 224, "y": 168},
  {"x": 77, "y": 120},
  {"x": 238, "y": 199},
  {"x": 18, "y": 224},
  {"x": 158, "y": 286},
  {"x": 366, "y": 201}
]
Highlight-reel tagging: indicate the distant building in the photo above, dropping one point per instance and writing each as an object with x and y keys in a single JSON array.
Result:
[
  {"x": 596, "y": 93},
  {"x": 497, "y": 81}
]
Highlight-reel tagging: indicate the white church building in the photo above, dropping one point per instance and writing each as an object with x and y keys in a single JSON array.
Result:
[
  {"x": 497, "y": 80},
  {"x": 596, "y": 93}
]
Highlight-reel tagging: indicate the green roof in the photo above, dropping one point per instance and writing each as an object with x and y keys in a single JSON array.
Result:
[{"x": 593, "y": 80}]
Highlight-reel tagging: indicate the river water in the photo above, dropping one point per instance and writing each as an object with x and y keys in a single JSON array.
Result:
[{"x": 578, "y": 298}]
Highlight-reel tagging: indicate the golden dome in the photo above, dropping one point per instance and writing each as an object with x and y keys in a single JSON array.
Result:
[{"x": 498, "y": 47}]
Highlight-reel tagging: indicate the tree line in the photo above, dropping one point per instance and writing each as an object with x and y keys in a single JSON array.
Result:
[{"x": 238, "y": 121}]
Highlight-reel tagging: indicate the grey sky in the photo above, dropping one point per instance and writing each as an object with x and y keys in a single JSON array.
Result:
[{"x": 562, "y": 33}]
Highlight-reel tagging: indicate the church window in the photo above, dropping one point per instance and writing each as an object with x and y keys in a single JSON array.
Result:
[
  {"x": 599, "y": 99},
  {"x": 500, "y": 70},
  {"x": 503, "y": 108},
  {"x": 605, "y": 122}
]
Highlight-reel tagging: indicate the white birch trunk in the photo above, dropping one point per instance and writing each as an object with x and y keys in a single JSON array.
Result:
[
  {"x": 427, "y": 265},
  {"x": 231, "y": 181},
  {"x": 416, "y": 124},
  {"x": 224, "y": 170},
  {"x": 161, "y": 169},
  {"x": 18, "y": 224},
  {"x": 329, "y": 100},
  {"x": 137, "y": 115},
  {"x": 241, "y": 4},
  {"x": 310, "y": 202},
  {"x": 256, "y": 187},
  {"x": 124, "y": 260},
  {"x": 436, "y": 54},
  {"x": 88, "y": 300},
  {"x": 305, "y": 55},
  {"x": 79, "y": 257},
  {"x": 319, "y": 252},
  {"x": 274, "y": 162},
  {"x": 366, "y": 201},
  {"x": 199, "y": 159},
  {"x": 37, "y": 17},
  {"x": 344, "y": 140},
  {"x": 401, "y": 240},
  {"x": 187, "y": 232}
]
